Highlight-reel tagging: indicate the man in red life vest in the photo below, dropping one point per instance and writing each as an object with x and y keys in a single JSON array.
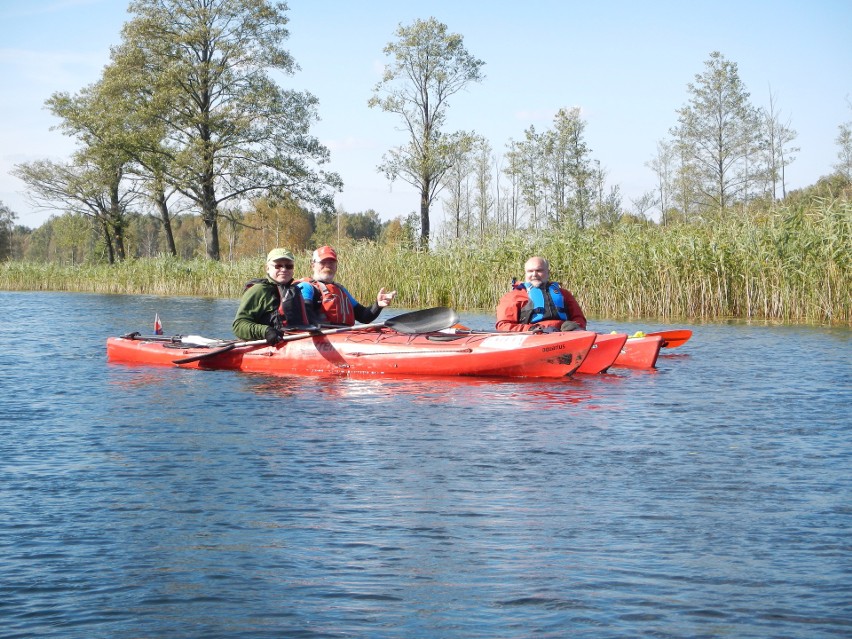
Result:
[
  {"x": 329, "y": 302},
  {"x": 537, "y": 304},
  {"x": 273, "y": 304}
]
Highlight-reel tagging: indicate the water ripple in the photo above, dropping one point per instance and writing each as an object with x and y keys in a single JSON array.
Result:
[{"x": 709, "y": 498}]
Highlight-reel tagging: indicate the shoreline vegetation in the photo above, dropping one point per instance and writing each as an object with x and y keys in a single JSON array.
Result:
[{"x": 790, "y": 264}]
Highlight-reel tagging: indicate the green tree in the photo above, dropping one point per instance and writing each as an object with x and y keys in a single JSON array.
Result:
[
  {"x": 428, "y": 66},
  {"x": 38, "y": 248},
  {"x": 568, "y": 169},
  {"x": 457, "y": 186},
  {"x": 717, "y": 134},
  {"x": 72, "y": 238},
  {"x": 777, "y": 149},
  {"x": 146, "y": 236},
  {"x": 363, "y": 226},
  {"x": 21, "y": 236},
  {"x": 527, "y": 164},
  {"x": 230, "y": 131},
  {"x": 7, "y": 223},
  {"x": 606, "y": 208},
  {"x": 276, "y": 222},
  {"x": 514, "y": 173},
  {"x": 663, "y": 164},
  {"x": 91, "y": 117},
  {"x": 394, "y": 234},
  {"x": 83, "y": 188},
  {"x": 844, "y": 151},
  {"x": 483, "y": 200},
  {"x": 140, "y": 132}
]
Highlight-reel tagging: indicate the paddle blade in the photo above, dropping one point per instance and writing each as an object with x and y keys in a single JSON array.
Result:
[{"x": 424, "y": 321}]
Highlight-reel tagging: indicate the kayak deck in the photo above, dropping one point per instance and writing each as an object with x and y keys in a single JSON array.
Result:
[{"x": 383, "y": 351}]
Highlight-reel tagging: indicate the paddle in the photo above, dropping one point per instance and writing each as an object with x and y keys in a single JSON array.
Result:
[
  {"x": 674, "y": 338},
  {"x": 177, "y": 340},
  {"x": 423, "y": 321}
]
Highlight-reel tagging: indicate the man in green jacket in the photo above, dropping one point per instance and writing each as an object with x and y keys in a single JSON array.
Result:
[{"x": 273, "y": 304}]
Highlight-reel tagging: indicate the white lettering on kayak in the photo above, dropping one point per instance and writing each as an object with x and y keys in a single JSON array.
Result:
[{"x": 503, "y": 342}]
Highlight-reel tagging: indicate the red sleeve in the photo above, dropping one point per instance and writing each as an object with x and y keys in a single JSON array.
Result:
[
  {"x": 509, "y": 310},
  {"x": 572, "y": 308}
]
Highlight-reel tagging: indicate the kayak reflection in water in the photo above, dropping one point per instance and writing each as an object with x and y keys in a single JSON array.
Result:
[{"x": 539, "y": 305}]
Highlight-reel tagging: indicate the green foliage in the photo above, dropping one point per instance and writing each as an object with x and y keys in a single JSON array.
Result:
[
  {"x": 554, "y": 182},
  {"x": 189, "y": 105},
  {"x": 791, "y": 263},
  {"x": 844, "y": 150},
  {"x": 7, "y": 222},
  {"x": 717, "y": 135},
  {"x": 427, "y": 66}
]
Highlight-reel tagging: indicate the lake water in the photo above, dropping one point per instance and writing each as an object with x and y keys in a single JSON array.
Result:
[{"x": 709, "y": 498}]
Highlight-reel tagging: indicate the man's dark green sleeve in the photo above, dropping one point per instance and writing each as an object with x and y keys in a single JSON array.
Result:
[{"x": 253, "y": 312}]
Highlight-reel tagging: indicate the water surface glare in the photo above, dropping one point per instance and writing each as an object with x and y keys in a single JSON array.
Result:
[{"x": 708, "y": 498}]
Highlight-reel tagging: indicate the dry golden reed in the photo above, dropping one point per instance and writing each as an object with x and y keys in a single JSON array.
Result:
[{"x": 791, "y": 264}]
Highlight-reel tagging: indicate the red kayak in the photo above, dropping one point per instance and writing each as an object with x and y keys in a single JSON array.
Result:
[
  {"x": 642, "y": 349},
  {"x": 619, "y": 350},
  {"x": 381, "y": 350},
  {"x": 673, "y": 338},
  {"x": 639, "y": 352},
  {"x": 603, "y": 353}
]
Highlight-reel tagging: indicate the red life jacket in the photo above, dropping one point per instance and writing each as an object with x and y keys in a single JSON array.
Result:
[{"x": 334, "y": 304}]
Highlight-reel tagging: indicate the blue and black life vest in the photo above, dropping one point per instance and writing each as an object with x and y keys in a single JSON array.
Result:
[{"x": 544, "y": 304}]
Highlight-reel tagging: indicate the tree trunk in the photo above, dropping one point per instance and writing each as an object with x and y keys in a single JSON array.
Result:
[
  {"x": 211, "y": 226},
  {"x": 424, "y": 215},
  {"x": 116, "y": 221},
  {"x": 163, "y": 207},
  {"x": 118, "y": 234},
  {"x": 107, "y": 240},
  {"x": 211, "y": 237},
  {"x": 167, "y": 223}
]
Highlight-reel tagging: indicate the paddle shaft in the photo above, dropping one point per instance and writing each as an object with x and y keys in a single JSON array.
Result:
[{"x": 426, "y": 320}]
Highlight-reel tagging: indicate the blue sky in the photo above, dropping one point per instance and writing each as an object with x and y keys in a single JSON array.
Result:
[{"x": 626, "y": 64}]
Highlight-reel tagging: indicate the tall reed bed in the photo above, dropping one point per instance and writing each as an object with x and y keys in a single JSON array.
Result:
[
  {"x": 157, "y": 276},
  {"x": 790, "y": 264},
  {"x": 793, "y": 264}
]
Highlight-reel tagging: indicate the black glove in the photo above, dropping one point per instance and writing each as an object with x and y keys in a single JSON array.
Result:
[
  {"x": 569, "y": 326},
  {"x": 271, "y": 336},
  {"x": 538, "y": 329}
]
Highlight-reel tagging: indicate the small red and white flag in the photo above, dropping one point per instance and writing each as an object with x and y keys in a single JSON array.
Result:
[{"x": 158, "y": 325}]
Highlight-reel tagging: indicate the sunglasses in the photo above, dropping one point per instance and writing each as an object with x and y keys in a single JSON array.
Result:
[{"x": 283, "y": 267}]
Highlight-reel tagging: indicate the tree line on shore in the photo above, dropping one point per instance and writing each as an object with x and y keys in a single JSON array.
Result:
[
  {"x": 788, "y": 261},
  {"x": 187, "y": 146}
]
